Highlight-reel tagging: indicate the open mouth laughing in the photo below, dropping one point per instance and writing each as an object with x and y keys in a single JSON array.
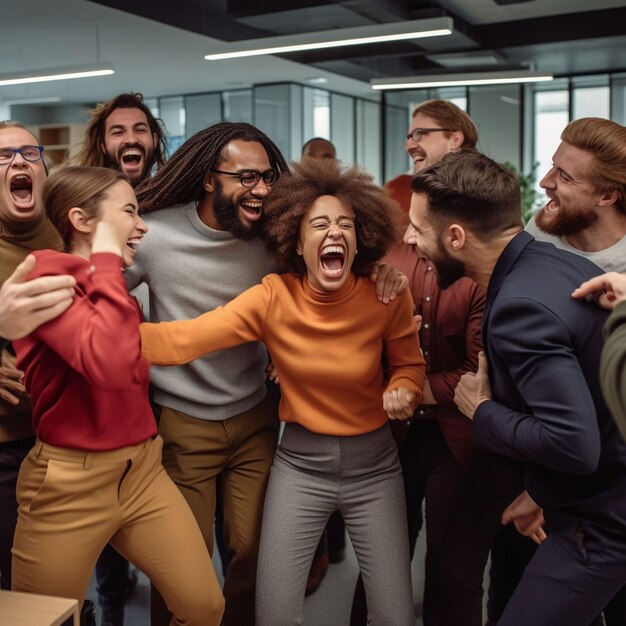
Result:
[
  {"x": 552, "y": 206},
  {"x": 131, "y": 158},
  {"x": 252, "y": 209},
  {"x": 418, "y": 156},
  {"x": 133, "y": 242},
  {"x": 332, "y": 259},
  {"x": 21, "y": 187}
]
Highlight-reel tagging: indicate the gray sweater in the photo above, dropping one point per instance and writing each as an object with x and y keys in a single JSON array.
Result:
[
  {"x": 189, "y": 269},
  {"x": 612, "y": 259}
]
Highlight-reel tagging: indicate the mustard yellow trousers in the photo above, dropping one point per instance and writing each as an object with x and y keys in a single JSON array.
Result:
[{"x": 72, "y": 503}]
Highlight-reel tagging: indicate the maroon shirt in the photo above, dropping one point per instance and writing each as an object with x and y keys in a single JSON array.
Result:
[{"x": 450, "y": 338}]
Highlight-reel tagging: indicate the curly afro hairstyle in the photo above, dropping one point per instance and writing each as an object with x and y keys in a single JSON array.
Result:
[{"x": 377, "y": 217}]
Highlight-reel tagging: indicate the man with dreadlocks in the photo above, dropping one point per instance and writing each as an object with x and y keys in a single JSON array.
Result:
[
  {"x": 204, "y": 209},
  {"x": 220, "y": 429},
  {"x": 124, "y": 135}
]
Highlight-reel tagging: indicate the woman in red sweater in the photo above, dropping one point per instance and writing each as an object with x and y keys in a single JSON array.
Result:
[
  {"x": 328, "y": 336},
  {"x": 95, "y": 473}
]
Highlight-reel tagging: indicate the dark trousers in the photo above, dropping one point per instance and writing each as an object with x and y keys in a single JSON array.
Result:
[
  {"x": 509, "y": 547},
  {"x": 12, "y": 453},
  {"x": 575, "y": 572},
  {"x": 112, "y": 579},
  {"x": 615, "y": 610},
  {"x": 473, "y": 528}
]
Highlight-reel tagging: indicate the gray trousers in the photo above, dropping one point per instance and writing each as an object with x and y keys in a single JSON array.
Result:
[{"x": 312, "y": 476}]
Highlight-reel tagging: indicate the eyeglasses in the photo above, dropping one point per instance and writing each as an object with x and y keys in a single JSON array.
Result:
[
  {"x": 417, "y": 133},
  {"x": 29, "y": 153},
  {"x": 250, "y": 178}
]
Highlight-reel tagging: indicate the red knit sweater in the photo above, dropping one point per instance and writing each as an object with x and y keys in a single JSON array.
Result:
[{"x": 84, "y": 370}]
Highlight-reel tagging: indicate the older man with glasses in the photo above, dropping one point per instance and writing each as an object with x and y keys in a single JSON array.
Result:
[{"x": 23, "y": 228}]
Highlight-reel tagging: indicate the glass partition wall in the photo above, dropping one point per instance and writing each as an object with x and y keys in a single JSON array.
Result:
[
  {"x": 290, "y": 114},
  {"x": 517, "y": 124}
]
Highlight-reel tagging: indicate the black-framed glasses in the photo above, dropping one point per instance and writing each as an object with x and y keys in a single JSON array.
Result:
[
  {"x": 250, "y": 178},
  {"x": 32, "y": 154},
  {"x": 417, "y": 133}
]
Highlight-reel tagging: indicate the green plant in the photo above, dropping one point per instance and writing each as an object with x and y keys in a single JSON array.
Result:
[{"x": 530, "y": 199}]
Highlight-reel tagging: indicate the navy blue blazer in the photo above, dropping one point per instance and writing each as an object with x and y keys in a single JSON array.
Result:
[{"x": 543, "y": 349}]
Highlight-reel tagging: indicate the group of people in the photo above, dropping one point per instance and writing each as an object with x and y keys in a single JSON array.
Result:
[{"x": 490, "y": 412}]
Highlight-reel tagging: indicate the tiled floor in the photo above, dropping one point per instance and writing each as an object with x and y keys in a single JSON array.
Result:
[{"x": 328, "y": 606}]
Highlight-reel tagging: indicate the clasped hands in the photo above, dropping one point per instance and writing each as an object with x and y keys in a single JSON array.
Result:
[{"x": 399, "y": 403}]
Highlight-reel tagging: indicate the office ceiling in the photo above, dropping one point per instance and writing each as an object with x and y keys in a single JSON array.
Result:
[{"x": 157, "y": 46}]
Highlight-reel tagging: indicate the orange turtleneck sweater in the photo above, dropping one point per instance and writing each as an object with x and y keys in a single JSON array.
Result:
[{"x": 328, "y": 347}]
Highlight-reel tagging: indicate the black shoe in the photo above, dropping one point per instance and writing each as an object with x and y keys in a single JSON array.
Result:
[
  {"x": 114, "y": 617},
  {"x": 88, "y": 614}
]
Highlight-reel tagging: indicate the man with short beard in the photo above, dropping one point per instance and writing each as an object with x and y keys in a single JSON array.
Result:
[
  {"x": 536, "y": 398},
  {"x": 124, "y": 135},
  {"x": 586, "y": 187}
]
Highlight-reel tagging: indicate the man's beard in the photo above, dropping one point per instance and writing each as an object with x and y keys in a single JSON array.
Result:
[
  {"x": 449, "y": 269},
  {"x": 564, "y": 223},
  {"x": 227, "y": 215},
  {"x": 113, "y": 161}
]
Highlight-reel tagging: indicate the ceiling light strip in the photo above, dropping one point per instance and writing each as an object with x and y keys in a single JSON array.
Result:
[
  {"x": 454, "y": 80},
  {"x": 54, "y": 74},
  {"x": 378, "y": 33}
]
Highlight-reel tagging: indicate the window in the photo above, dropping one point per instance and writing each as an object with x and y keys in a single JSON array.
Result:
[
  {"x": 590, "y": 96},
  {"x": 551, "y": 117},
  {"x": 316, "y": 105},
  {"x": 173, "y": 115}
]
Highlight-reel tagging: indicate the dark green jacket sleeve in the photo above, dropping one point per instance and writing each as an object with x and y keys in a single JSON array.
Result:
[{"x": 613, "y": 365}]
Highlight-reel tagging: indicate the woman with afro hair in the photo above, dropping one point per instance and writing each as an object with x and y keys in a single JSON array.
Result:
[{"x": 329, "y": 337}]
